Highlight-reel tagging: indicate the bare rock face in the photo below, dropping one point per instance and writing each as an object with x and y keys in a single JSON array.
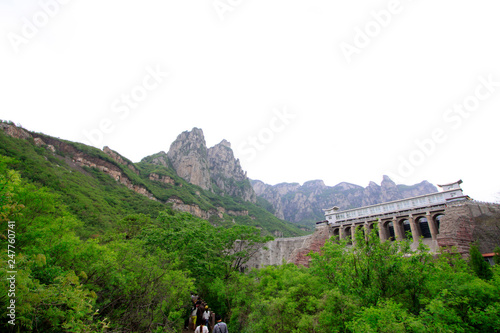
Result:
[
  {"x": 159, "y": 159},
  {"x": 188, "y": 155},
  {"x": 227, "y": 174},
  {"x": 204, "y": 167},
  {"x": 468, "y": 221},
  {"x": 120, "y": 159},
  {"x": 259, "y": 187},
  {"x": 272, "y": 194},
  {"x": 14, "y": 131}
]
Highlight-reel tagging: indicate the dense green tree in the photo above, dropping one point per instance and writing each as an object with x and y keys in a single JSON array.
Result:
[
  {"x": 49, "y": 296},
  {"x": 496, "y": 256},
  {"x": 369, "y": 286},
  {"x": 373, "y": 270},
  {"x": 65, "y": 284},
  {"x": 478, "y": 264}
]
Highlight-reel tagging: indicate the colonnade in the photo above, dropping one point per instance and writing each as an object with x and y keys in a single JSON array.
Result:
[{"x": 395, "y": 227}]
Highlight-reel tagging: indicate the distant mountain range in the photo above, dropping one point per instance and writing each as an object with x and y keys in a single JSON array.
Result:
[
  {"x": 210, "y": 182},
  {"x": 303, "y": 204}
]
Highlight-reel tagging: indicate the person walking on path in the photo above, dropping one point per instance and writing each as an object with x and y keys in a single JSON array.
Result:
[
  {"x": 194, "y": 311},
  {"x": 201, "y": 329},
  {"x": 199, "y": 315},
  {"x": 206, "y": 315},
  {"x": 221, "y": 326}
]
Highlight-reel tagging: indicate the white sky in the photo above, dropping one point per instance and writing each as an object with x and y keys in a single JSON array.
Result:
[{"x": 348, "y": 121}]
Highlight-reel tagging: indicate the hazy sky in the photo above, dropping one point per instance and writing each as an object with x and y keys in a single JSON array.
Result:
[{"x": 316, "y": 89}]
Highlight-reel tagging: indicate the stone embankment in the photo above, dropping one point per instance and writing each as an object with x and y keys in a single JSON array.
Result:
[
  {"x": 289, "y": 250},
  {"x": 470, "y": 221}
]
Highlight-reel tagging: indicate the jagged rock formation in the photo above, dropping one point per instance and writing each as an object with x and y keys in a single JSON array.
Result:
[
  {"x": 120, "y": 159},
  {"x": 14, "y": 131},
  {"x": 274, "y": 194},
  {"x": 304, "y": 204},
  {"x": 188, "y": 155},
  {"x": 214, "y": 169},
  {"x": 158, "y": 159},
  {"x": 227, "y": 174}
]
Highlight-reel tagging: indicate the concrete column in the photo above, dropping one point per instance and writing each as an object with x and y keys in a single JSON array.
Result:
[
  {"x": 341, "y": 232},
  {"x": 414, "y": 229},
  {"x": 397, "y": 229},
  {"x": 432, "y": 226},
  {"x": 353, "y": 233},
  {"x": 382, "y": 232}
]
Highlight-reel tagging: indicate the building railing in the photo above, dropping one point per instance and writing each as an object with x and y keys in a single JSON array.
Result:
[{"x": 414, "y": 211}]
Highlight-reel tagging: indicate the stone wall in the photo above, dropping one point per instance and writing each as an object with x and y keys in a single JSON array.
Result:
[
  {"x": 469, "y": 221},
  {"x": 289, "y": 250}
]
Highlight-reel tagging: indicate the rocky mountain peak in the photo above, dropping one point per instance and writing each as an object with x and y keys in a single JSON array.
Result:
[
  {"x": 317, "y": 184},
  {"x": 227, "y": 174},
  {"x": 284, "y": 188},
  {"x": 390, "y": 190},
  {"x": 206, "y": 167},
  {"x": 346, "y": 186},
  {"x": 225, "y": 143},
  {"x": 386, "y": 178},
  {"x": 189, "y": 157}
]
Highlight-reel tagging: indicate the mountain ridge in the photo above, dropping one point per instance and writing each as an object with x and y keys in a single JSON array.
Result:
[{"x": 83, "y": 174}]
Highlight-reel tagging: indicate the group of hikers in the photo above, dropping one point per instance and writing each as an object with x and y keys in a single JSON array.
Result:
[{"x": 203, "y": 320}]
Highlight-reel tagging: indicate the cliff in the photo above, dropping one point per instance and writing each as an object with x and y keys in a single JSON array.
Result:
[
  {"x": 188, "y": 155},
  {"x": 214, "y": 169},
  {"x": 227, "y": 174}
]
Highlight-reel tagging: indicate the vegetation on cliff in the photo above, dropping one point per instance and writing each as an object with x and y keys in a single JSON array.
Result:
[{"x": 98, "y": 200}]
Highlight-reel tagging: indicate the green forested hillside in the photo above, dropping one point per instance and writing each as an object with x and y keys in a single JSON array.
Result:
[
  {"x": 98, "y": 200},
  {"x": 136, "y": 276}
]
